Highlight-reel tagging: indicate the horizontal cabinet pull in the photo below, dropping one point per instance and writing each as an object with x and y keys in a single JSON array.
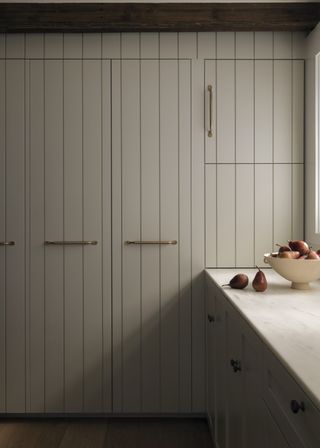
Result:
[
  {"x": 71, "y": 243},
  {"x": 7, "y": 243},
  {"x": 169, "y": 242}
]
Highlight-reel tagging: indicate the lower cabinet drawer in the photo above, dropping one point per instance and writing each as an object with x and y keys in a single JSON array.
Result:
[{"x": 296, "y": 415}]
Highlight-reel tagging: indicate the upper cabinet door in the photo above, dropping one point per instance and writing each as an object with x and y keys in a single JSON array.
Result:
[
  {"x": 254, "y": 146},
  {"x": 151, "y": 150}
]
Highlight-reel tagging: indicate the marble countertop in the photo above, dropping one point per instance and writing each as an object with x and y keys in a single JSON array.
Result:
[{"x": 287, "y": 320}]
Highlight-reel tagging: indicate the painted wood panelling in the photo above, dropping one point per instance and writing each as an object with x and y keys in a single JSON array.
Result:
[
  {"x": 226, "y": 219},
  {"x": 250, "y": 208},
  {"x": 35, "y": 385},
  {"x": 202, "y": 45},
  {"x": 153, "y": 303},
  {"x": 15, "y": 231},
  {"x": 226, "y": 111},
  {"x": 55, "y": 302},
  {"x": 198, "y": 240},
  {"x": 54, "y": 259},
  {"x": 263, "y": 111},
  {"x": 244, "y": 114},
  {"x": 150, "y": 228},
  {"x": 3, "y": 236},
  {"x": 259, "y": 127},
  {"x": 116, "y": 328}
]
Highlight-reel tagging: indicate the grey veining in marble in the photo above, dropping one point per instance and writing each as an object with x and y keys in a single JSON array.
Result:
[{"x": 287, "y": 320}]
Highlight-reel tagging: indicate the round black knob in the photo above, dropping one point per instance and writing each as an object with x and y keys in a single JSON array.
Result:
[
  {"x": 236, "y": 365},
  {"x": 211, "y": 318},
  {"x": 296, "y": 406}
]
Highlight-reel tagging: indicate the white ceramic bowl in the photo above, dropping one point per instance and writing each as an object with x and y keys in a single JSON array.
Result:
[{"x": 300, "y": 272}]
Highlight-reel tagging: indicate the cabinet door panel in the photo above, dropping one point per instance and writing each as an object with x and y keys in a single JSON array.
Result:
[
  {"x": 73, "y": 229},
  {"x": 36, "y": 247},
  {"x": 70, "y": 356},
  {"x": 2, "y": 237},
  {"x": 150, "y": 228},
  {"x": 235, "y": 379},
  {"x": 151, "y": 201},
  {"x": 272, "y": 436},
  {"x": 211, "y": 364},
  {"x": 252, "y": 387},
  {"x": 54, "y": 294},
  {"x": 92, "y": 229},
  {"x": 15, "y": 299},
  {"x": 169, "y": 227},
  {"x": 220, "y": 377}
]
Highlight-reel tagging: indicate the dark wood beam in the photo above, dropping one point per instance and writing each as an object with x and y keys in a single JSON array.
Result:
[{"x": 127, "y": 17}]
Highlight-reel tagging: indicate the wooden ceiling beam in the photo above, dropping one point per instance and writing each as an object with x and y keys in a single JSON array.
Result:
[{"x": 130, "y": 17}]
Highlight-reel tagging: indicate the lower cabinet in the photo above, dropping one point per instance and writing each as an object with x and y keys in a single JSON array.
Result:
[
  {"x": 253, "y": 402},
  {"x": 272, "y": 435}
]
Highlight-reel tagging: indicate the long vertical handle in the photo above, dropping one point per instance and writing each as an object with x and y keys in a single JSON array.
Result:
[{"x": 210, "y": 131}]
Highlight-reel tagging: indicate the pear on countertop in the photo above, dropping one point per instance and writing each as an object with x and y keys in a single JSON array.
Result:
[
  {"x": 259, "y": 282},
  {"x": 239, "y": 281}
]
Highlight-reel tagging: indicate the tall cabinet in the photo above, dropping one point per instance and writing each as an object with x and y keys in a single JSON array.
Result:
[
  {"x": 106, "y": 161},
  {"x": 151, "y": 220},
  {"x": 55, "y": 188},
  {"x": 101, "y": 300}
]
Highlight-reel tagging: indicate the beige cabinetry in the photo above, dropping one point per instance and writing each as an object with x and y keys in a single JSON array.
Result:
[{"x": 253, "y": 400}]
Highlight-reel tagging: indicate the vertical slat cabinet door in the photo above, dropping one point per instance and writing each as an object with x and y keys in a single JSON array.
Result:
[
  {"x": 210, "y": 299},
  {"x": 73, "y": 230},
  {"x": 15, "y": 230},
  {"x": 131, "y": 227},
  {"x": 117, "y": 241},
  {"x": 169, "y": 228},
  {"x": 234, "y": 365},
  {"x": 106, "y": 205},
  {"x": 220, "y": 344},
  {"x": 92, "y": 230},
  {"x": 184, "y": 248},
  {"x": 151, "y": 153},
  {"x": 252, "y": 405},
  {"x": 36, "y": 231},
  {"x": 273, "y": 436},
  {"x": 150, "y": 230},
  {"x": 54, "y": 230},
  {"x": 2, "y": 237}
]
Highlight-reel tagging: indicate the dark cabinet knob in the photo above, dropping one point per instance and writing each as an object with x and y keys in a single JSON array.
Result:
[
  {"x": 211, "y": 318},
  {"x": 296, "y": 406},
  {"x": 236, "y": 365}
]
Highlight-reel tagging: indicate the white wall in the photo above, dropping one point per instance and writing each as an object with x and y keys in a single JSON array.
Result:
[{"x": 313, "y": 47}]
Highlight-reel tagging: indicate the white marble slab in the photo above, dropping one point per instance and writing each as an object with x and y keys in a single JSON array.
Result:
[{"x": 287, "y": 320}]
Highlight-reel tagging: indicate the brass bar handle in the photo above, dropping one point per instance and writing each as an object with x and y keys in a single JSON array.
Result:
[
  {"x": 7, "y": 243},
  {"x": 210, "y": 131},
  {"x": 169, "y": 242},
  {"x": 71, "y": 243}
]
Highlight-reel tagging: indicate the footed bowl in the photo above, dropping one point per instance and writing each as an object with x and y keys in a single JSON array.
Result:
[{"x": 300, "y": 272}]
